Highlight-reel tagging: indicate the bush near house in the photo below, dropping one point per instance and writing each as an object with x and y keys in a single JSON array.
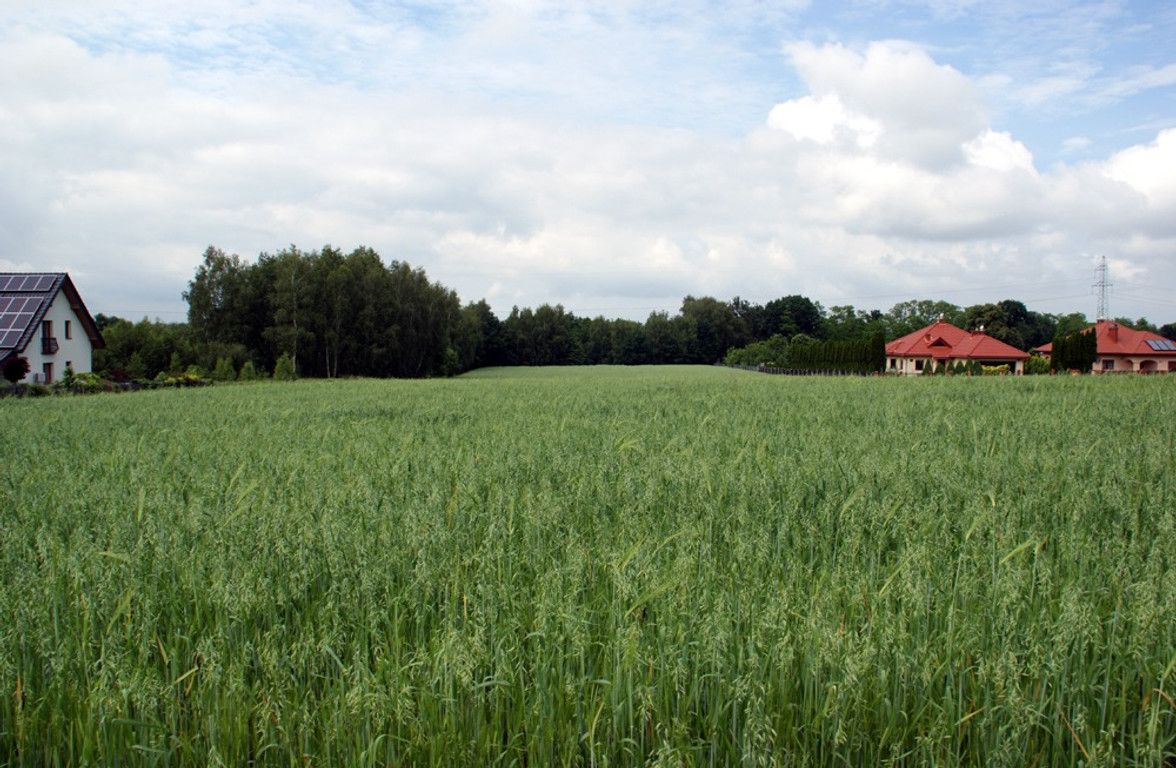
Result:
[{"x": 16, "y": 368}]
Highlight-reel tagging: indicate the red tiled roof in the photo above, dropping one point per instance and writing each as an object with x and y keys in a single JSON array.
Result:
[
  {"x": 944, "y": 341},
  {"x": 1117, "y": 339},
  {"x": 1114, "y": 338}
]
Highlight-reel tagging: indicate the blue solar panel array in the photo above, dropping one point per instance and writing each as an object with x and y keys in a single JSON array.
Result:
[
  {"x": 26, "y": 283},
  {"x": 1161, "y": 345},
  {"x": 22, "y": 299}
]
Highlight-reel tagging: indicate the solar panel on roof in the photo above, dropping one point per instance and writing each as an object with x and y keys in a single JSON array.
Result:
[
  {"x": 26, "y": 283},
  {"x": 16, "y": 313}
]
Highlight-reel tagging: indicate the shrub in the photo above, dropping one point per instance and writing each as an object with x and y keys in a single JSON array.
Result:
[
  {"x": 16, "y": 369},
  {"x": 87, "y": 383},
  {"x": 224, "y": 370},
  {"x": 284, "y": 368},
  {"x": 1036, "y": 366},
  {"x": 248, "y": 372}
]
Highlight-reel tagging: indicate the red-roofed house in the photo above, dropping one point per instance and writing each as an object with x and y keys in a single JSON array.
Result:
[
  {"x": 942, "y": 342},
  {"x": 1124, "y": 350}
]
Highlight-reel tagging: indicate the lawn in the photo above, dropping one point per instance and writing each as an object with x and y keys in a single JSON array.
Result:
[{"x": 592, "y": 566}]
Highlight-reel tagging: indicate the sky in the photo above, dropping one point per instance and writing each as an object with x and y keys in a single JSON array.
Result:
[{"x": 610, "y": 156}]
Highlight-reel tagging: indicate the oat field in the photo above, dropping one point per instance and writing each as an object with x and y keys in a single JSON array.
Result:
[{"x": 594, "y": 567}]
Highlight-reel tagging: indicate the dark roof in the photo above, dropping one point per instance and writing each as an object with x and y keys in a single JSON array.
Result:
[{"x": 25, "y": 298}]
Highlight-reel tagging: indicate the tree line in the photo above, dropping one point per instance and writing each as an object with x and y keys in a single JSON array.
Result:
[{"x": 352, "y": 314}]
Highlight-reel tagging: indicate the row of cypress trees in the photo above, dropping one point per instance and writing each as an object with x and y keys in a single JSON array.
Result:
[
  {"x": 1074, "y": 352},
  {"x": 855, "y": 356}
]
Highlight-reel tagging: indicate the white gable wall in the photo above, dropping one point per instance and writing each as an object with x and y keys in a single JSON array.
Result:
[{"x": 76, "y": 351}]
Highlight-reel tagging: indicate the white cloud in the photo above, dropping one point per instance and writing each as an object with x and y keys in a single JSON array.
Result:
[
  {"x": 1150, "y": 169},
  {"x": 823, "y": 120},
  {"x": 998, "y": 151},
  {"x": 924, "y": 111},
  {"x": 882, "y": 179}
]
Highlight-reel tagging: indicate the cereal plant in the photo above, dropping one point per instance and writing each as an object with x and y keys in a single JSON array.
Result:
[{"x": 597, "y": 567}]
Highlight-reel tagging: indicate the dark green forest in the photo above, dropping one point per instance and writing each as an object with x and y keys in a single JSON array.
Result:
[{"x": 353, "y": 314}]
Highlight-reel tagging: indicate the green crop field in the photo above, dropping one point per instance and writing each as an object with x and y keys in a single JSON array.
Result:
[{"x": 598, "y": 567}]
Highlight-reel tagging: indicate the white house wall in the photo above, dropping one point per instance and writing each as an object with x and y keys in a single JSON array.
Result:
[{"x": 75, "y": 351}]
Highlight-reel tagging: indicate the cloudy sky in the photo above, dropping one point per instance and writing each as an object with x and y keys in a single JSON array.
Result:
[{"x": 612, "y": 156}]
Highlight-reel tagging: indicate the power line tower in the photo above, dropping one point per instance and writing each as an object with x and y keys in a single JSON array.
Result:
[{"x": 1102, "y": 284}]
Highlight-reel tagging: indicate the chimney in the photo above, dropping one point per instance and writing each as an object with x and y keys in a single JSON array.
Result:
[{"x": 1113, "y": 330}]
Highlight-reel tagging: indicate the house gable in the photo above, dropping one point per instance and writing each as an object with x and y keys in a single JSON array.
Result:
[{"x": 29, "y": 299}]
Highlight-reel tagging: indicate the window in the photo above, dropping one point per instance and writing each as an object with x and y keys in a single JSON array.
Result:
[
  {"x": 47, "y": 372},
  {"x": 68, "y": 329},
  {"x": 918, "y": 365},
  {"x": 1108, "y": 365},
  {"x": 46, "y": 329},
  {"x": 893, "y": 362}
]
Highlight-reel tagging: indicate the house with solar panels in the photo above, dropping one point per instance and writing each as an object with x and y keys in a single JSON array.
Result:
[
  {"x": 43, "y": 319},
  {"x": 1126, "y": 350},
  {"x": 942, "y": 343}
]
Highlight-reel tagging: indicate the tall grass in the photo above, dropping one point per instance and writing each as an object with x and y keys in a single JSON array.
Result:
[{"x": 592, "y": 567}]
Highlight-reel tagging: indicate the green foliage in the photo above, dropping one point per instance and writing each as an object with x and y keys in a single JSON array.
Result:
[
  {"x": 995, "y": 370},
  {"x": 772, "y": 353},
  {"x": 909, "y": 316},
  {"x": 135, "y": 367},
  {"x": 1036, "y": 366},
  {"x": 89, "y": 383},
  {"x": 840, "y": 356},
  {"x": 141, "y": 350},
  {"x": 224, "y": 370},
  {"x": 576, "y": 567},
  {"x": 248, "y": 372},
  {"x": 1075, "y": 352},
  {"x": 192, "y": 377},
  {"x": 452, "y": 364},
  {"x": 284, "y": 369}
]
